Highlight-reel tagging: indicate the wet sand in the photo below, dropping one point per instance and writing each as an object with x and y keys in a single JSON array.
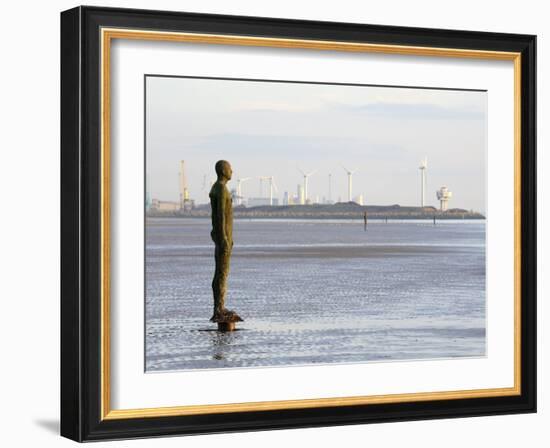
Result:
[{"x": 316, "y": 292}]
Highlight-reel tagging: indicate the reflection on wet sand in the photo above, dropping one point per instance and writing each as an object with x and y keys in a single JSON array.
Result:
[{"x": 316, "y": 292}]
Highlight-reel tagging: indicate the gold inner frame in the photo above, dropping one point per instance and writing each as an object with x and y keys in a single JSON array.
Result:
[{"x": 107, "y": 35}]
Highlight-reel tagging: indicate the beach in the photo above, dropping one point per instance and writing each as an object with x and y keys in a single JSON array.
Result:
[{"x": 316, "y": 292}]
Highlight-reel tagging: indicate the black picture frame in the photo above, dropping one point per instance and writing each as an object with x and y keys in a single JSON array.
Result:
[{"x": 81, "y": 414}]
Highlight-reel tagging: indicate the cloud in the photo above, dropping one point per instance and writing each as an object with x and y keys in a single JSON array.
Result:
[
  {"x": 294, "y": 146},
  {"x": 274, "y": 107},
  {"x": 413, "y": 111}
]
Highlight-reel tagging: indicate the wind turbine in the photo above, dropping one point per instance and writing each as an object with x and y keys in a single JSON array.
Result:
[
  {"x": 350, "y": 174},
  {"x": 423, "y": 166},
  {"x": 306, "y": 176},
  {"x": 239, "y": 194},
  {"x": 272, "y": 185}
]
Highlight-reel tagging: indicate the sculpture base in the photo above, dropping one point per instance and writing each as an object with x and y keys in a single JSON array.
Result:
[
  {"x": 226, "y": 320},
  {"x": 226, "y": 326}
]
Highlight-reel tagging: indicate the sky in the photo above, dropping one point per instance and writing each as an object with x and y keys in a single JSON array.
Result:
[{"x": 279, "y": 128}]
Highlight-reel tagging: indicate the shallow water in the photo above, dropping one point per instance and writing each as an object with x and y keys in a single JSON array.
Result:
[{"x": 315, "y": 292}]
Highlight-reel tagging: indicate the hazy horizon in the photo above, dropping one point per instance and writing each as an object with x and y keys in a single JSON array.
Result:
[{"x": 276, "y": 129}]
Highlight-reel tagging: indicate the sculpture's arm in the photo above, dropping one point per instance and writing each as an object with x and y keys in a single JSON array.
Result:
[{"x": 221, "y": 206}]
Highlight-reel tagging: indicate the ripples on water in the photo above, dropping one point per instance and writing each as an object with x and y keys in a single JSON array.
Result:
[{"x": 316, "y": 292}]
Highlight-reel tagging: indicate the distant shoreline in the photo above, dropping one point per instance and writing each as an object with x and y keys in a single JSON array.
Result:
[
  {"x": 345, "y": 210},
  {"x": 447, "y": 217}
]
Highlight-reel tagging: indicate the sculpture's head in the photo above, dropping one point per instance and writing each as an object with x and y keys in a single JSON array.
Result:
[{"x": 223, "y": 169}]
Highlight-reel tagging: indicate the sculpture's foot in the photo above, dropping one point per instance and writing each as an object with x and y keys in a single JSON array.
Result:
[
  {"x": 225, "y": 316},
  {"x": 226, "y": 326}
]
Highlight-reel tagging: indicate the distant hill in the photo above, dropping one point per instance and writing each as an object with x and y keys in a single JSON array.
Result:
[{"x": 340, "y": 210}]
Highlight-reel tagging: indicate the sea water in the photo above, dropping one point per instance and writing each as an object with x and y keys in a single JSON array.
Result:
[{"x": 316, "y": 292}]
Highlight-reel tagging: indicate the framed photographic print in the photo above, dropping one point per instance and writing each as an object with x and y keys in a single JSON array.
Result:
[{"x": 273, "y": 223}]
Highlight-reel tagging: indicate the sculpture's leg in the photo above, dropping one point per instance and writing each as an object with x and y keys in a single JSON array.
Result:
[
  {"x": 219, "y": 283},
  {"x": 223, "y": 274},
  {"x": 216, "y": 283}
]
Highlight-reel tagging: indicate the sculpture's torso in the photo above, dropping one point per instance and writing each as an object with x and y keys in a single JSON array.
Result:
[{"x": 222, "y": 214}]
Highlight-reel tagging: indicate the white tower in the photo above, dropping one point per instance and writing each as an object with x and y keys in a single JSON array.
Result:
[
  {"x": 271, "y": 187},
  {"x": 443, "y": 195},
  {"x": 306, "y": 176},
  {"x": 423, "y": 166},
  {"x": 239, "y": 191},
  {"x": 184, "y": 192},
  {"x": 300, "y": 194},
  {"x": 350, "y": 174}
]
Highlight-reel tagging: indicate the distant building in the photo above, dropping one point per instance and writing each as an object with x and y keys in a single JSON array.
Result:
[
  {"x": 164, "y": 206},
  {"x": 359, "y": 199},
  {"x": 258, "y": 202},
  {"x": 286, "y": 198},
  {"x": 300, "y": 195},
  {"x": 185, "y": 202},
  {"x": 188, "y": 205},
  {"x": 443, "y": 196}
]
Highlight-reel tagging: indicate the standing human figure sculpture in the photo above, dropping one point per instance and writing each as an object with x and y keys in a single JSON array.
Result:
[{"x": 222, "y": 235}]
